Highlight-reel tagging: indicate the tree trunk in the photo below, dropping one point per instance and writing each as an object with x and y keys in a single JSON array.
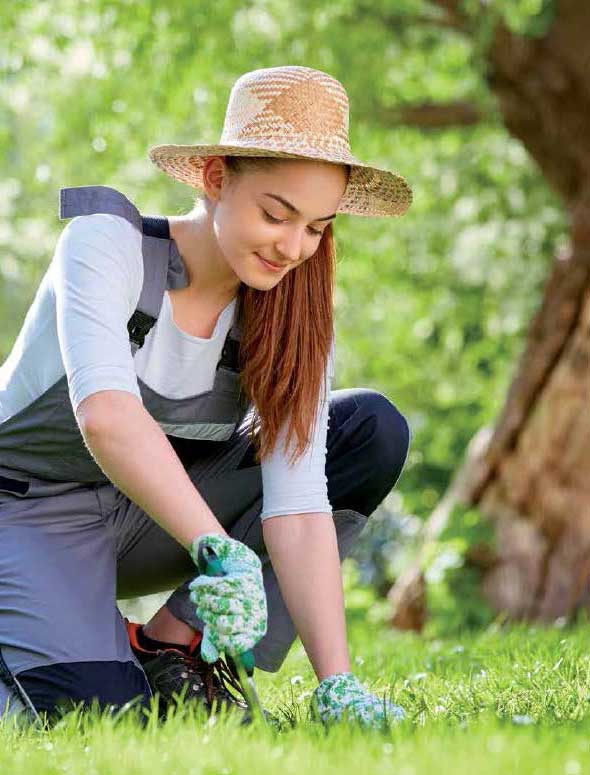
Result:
[{"x": 533, "y": 477}]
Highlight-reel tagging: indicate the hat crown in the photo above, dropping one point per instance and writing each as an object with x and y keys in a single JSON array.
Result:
[{"x": 291, "y": 106}]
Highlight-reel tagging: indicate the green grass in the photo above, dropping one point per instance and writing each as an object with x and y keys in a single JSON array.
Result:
[{"x": 507, "y": 699}]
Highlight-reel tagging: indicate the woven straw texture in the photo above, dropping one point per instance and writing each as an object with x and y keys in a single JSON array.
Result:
[{"x": 291, "y": 112}]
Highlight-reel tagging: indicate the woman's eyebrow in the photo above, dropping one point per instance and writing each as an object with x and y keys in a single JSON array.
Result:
[{"x": 293, "y": 209}]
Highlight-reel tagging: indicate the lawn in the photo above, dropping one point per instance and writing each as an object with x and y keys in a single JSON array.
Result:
[{"x": 503, "y": 699}]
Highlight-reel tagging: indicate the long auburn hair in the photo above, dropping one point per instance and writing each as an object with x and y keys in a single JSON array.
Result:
[{"x": 286, "y": 338}]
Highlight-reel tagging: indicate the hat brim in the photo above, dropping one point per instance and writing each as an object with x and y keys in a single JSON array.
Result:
[{"x": 371, "y": 191}]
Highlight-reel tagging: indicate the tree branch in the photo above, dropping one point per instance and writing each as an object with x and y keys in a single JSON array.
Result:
[
  {"x": 397, "y": 22},
  {"x": 429, "y": 115}
]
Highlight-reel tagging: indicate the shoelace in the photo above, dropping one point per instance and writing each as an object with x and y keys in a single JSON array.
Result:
[
  {"x": 226, "y": 676},
  {"x": 215, "y": 676}
]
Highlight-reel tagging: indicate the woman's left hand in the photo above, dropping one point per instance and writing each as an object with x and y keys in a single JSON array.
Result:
[{"x": 342, "y": 697}]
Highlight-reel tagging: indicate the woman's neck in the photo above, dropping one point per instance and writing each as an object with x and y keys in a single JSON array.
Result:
[{"x": 210, "y": 278}]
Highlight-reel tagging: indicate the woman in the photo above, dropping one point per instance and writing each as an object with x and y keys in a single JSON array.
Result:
[{"x": 170, "y": 390}]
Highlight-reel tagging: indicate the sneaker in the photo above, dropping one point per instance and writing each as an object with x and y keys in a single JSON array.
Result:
[{"x": 172, "y": 672}]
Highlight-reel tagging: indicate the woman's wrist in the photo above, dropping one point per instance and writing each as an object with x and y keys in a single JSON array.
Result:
[{"x": 339, "y": 668}]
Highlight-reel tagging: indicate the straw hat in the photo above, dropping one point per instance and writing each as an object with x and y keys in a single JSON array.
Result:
[{"x": 291, "y": 112}]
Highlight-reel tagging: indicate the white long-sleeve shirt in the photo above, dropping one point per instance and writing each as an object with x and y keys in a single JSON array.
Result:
[{"x": 77, "y": 325}]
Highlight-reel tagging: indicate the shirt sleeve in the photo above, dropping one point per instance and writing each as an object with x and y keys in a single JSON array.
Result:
[
  {"x": 302, "y": 487},
  {"x": 97, "y": 273}
]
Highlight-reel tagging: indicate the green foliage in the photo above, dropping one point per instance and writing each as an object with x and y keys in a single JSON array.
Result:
[
  {"x": 531, "y": 18},
  {"x": 387, "y": 547},
  {"x": 455, "y": 603}
]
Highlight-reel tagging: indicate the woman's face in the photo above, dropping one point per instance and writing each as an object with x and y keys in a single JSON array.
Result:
[{"x": 276, "y": 215}]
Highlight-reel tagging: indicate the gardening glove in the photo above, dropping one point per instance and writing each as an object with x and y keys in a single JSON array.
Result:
[
  {"x": 233, "y": 607},
  {"x": 342, "y": 696}
]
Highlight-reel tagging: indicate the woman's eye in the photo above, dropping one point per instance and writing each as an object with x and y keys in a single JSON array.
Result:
[{"x": 269, "y": 217}]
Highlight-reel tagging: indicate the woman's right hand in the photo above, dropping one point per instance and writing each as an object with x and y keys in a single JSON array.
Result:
[
  {"x": 233, "y": 607},
  {"x": 341, "y": 697}
]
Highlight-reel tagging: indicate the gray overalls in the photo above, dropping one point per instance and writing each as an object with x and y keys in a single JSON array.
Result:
[{"x": 71, "y": 543}]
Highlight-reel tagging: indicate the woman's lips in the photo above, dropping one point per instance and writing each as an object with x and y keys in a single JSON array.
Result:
[{"x": 268, "y": 265}]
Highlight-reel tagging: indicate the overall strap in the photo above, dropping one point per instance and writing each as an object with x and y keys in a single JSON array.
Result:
[
  {"x": 86, "y": 200},
  {"x": 162, "y": 267}
]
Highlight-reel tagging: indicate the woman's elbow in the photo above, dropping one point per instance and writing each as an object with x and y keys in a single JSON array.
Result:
[{"x": 105, "y": 410}]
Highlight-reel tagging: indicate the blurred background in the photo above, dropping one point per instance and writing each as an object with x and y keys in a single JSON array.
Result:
[{"x": 463, "y": 312}]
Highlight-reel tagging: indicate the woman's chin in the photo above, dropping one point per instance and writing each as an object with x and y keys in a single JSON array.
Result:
[
  {"x": 258, "y": 276},
  {"x": 260, "y": 283}
]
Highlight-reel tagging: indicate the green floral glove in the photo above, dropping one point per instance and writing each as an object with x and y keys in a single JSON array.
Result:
[
  {"x": 342, "y": 697},
  {"x": 233, "y": 606}
]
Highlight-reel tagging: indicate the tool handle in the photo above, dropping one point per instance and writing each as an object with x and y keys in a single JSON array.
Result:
[{"x": 209, "y": 564}]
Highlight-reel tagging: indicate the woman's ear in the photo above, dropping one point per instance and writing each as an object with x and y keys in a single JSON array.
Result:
[{"x": 215, "y": 173}]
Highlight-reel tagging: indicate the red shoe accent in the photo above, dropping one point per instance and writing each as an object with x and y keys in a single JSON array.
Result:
[
  {"x": 192, "y": 646},
  {"x": 133, "y": 627}
]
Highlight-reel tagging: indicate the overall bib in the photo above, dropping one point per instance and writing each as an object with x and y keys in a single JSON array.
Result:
[{"x": 71, "y": 542}]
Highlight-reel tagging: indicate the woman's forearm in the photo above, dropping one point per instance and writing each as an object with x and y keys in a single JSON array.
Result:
[
  {"x": 304, "y": 555},
  {"x": 133, "y": 451}
]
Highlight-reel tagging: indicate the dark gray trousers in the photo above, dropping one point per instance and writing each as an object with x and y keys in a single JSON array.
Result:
[{"x": 65, "y": 557}]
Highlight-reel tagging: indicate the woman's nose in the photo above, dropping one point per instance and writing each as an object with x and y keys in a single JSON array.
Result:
[{"x": 290, "y": 245}]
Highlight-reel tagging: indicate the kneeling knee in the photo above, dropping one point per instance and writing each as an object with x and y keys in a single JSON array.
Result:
[
  {"x": 63, "y": 685},
  {"x": 392, "y": 436}
]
